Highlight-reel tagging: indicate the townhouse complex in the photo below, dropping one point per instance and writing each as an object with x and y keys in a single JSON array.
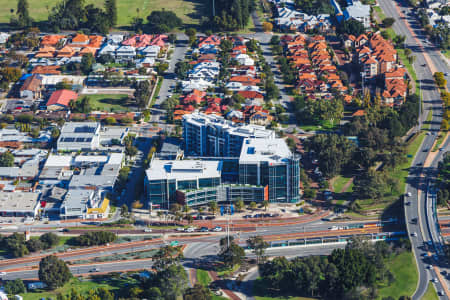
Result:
[
  {"x": 227, "y": 161},
  {"x": 379, "y": 60}
]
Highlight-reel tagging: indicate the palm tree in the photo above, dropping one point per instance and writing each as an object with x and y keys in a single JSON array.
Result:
[
  {"x": 265, "y": 204},
  {"x": 253, "y": 205},
  {"x": 186, "y": 210},
  {"x": 201, "y": 209},
  {"x": 159, "y": 213}
]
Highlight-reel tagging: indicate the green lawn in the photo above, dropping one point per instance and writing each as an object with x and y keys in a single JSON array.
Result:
[
  {"x": 109, "y": 103},
  {"x": 203, "y": 277},
  {"x": 439, "y": 141},
  {"x": 339, "y": 183},
  {"x": 188, "y": 10},
  {"x": 158, "y": 88},
  {"x": 430, "y": 294},
  {"x": 446, "y": 53},
  {"x": 403, "y": 267},
  {"x": 426, "y": 126},
  {"x": 81, "y": 287},
  {"x": 409, "y": 67},
  {"x": 282, "y": 298}
]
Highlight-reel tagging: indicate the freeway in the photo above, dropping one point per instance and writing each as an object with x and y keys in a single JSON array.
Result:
[{"x": 428, "y": 61}]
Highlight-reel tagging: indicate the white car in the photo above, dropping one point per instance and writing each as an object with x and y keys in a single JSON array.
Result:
[
  {"x": 147, "y": 230},
  {"x": 217, "y": 229},
  {"x": 408, "y": 194},
  {"x": 190, "y": 229},
  {"x": 414, "y": 234},
  {"x": 180, "y": 229},
  {"x": 429, "y": 267},
  {"x": 2, "y": 273},
  {"x": 434, "y": 280}
]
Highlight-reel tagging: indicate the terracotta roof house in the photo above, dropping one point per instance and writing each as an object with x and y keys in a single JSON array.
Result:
[
  {"x": 32, "y": 87},
  {"x": 46, "y": 70},
  {"x": 251, "y": 95},
  {"x": 359, "y": 113},
  {"x": 395, "y": 92},
  {"x": 87, "y": 50},
  {"x": 66, "y": 52},
  {"x": 45, "y": 52},
  {"x": 209, "y": 40},
  {"x": 80, "y": 39},
  {"x": 361, "y": 40},
  {"x": 51, "y": 40},
  {"x": 95, "y": 41},
  {"x": 60, "y": 99},
  {"x": 245, "y": 80}
]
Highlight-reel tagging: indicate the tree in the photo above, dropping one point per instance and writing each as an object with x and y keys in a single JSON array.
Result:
[
  {"x": 258, "y": 246},
  {"x": 253, "y": 205},
  {"x": 95, "y": 238},
  {"x": 198, "y": 292},
  {"x": 22, "y": 18},
  {"x": 131, "y": 151},
  {"x": 6, "y": 159},
  {"x": 213, "y": 207},
  {"x": 124, "y": 211},
  {"x": 172, "y": 37},
  {"x": 230, "y": 253},
  {"x": 388, "y": 22},
  {"x": 87, "y": 61},
  {"x": 275, "y": 40},
  {"x": 53, "y": 272},
  {"x": 172, "y": 281},
  {"x": 163, "y": 21},
  {"x": 49, "y": 240},
  {"x": 192, "y": 34},
  {"x": 111, "y": 11},
  {"x": 142, "y": 93},
  {"x": 265, "y": 204},
  {"x": 161, "y": 68},
  {"x": 267, "y": 26},
  {"x": 13, "y": 287},
  {"x": 34, "y": 245},
  {"x": 351, "y": 26},
  {"x": 239, "y": 204},
  {"x": 181, "y": 69},
  {"x": 11, "y": 74}
]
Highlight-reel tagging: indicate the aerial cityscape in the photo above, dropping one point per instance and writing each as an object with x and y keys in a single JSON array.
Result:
[{"x": 224, "y": 149}]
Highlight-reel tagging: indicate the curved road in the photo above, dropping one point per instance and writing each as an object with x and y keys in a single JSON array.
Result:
[{"x": 428, "y": 61}]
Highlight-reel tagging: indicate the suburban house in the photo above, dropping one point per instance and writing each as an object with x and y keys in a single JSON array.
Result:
[
  {"x": 32, "y": 88},
  {"x": 60, "y": 99}
]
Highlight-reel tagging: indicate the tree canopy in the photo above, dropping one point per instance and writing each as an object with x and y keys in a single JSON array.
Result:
[{"x": 53, "y": 272}]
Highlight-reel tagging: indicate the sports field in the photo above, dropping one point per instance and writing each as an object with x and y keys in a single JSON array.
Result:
[{"x": 188, "y": 10}]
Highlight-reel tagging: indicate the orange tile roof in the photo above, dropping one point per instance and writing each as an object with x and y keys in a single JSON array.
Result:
[
  {"x": 80, "y": 38},
  {"x": 359, "y": 113},
  {"x": 87, "y": 50},
  {"x": 51, "y": 40},
  {"x": 66, "y": 52},
  {"x": 47, "y": 70}
]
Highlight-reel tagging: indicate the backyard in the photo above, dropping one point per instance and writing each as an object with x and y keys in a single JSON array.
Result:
[{"x": 188, "y": 11}]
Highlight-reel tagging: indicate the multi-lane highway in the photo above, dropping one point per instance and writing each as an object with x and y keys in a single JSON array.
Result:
[{"x": 428, "y": 61}]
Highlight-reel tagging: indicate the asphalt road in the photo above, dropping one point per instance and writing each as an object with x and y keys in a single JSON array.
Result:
[
  {"x": 416, "y": 185},
  {"x": 86, "y": 269},
  {"x": 169, "y": 81}
]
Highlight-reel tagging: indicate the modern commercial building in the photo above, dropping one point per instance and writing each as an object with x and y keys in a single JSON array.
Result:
[
  {"x": 266, "y": 170},
  {"x": 269, "y": 162},
  {"x": 165, "y": 177},
  {"x": 213, "y": 136},
  {"x": 19, "y": 204}
]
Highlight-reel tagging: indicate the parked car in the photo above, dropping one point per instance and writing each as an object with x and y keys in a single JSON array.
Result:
[
  {"x": 190, "y": 229},
  {"x": 147, "y": 230},
  {"x": 94, "y": 270},
  {"x": 180, "y": 229},
  {"x": 204, "y": 229}
]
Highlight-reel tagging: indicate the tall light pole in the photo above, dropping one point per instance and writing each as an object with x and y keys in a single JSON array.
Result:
[{"x": 214, "y": 7}]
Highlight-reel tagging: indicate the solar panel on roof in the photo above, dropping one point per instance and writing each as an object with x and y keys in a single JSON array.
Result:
[{"x": 79, "y": 140}]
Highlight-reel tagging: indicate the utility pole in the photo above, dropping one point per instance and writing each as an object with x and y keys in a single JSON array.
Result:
[{"x": 214, "y": 7}]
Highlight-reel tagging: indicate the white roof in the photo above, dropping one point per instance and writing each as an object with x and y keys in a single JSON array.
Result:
[
  {"x": 270, "y": 150},
  {"x": 183, "y": 169},
  {"x": 18, "y": 201},
  {"x": 358, "y": 10},
  {"x": 91, "y": 158},
  {"x": 115, "y": 158},
  {"x": 58, "y": 161}
]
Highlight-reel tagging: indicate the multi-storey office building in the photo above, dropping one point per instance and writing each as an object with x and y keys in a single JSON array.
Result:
[
  {"x": 269, "y": 162},
  {"x": 266, "y": 168},
  {"x": 211, "y": 135}
]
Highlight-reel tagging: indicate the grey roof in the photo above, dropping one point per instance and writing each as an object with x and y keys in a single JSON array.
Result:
[
  {"x": 269, "y": 150},
  {"x": 18, "y": 201},
  {"x": 183, "y": 169},
  {"x": 94, "y": 181},
  {"x": 358, "y": 10},
  {"x": 170, "y": 149}
]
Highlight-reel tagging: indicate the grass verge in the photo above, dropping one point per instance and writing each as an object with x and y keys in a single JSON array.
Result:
[
  {"x": 339, "y": 183},
  {"x": 75, "y": 283},
  {"x": 430, "y": 294},
  {"x": 203, "y": 277},
  {"x": 404, "y": 269},
  {"x": 158, "y": 88}
]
